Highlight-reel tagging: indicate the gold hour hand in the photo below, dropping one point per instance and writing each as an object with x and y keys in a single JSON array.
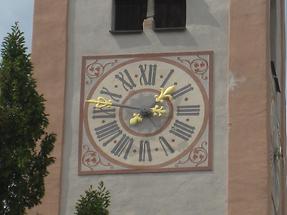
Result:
[
  {"x": 137, "y": 118},
  {"x": 154, "y": 111},
  {"x": 165, "y": 94}
]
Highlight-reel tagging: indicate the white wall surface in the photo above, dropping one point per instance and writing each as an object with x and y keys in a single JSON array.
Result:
[{"x": 191, "y": 193}]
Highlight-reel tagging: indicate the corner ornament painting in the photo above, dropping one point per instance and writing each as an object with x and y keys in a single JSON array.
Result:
[{"x": 146, "y": 113}]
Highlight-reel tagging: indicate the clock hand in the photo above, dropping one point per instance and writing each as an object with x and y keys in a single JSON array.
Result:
[
  {"x": 102, "y": 102},
  {"x": 137, "y": 118},
  {"x": 165, "y": 94},
  {"x": 155, "y": 111},
  {"x": 158, "y": 110}
]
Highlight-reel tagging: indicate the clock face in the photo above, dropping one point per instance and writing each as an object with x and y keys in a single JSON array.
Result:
[{"x": 172, "y": 131}]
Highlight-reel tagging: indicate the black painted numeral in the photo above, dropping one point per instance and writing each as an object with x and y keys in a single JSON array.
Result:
[
  {"x": 147, "y": 75},
  {"x": 113, "y": 96},
  {"x": 188, "y": 110},
  {"x": 103, "y": 113},
  {"x": 167, "y": 78},
  {"x": 145, "y": 151},
  {"x": 108, "y": 132},
  {"x": 127, "y": 82},
  {"x": 165, "y": 145},
  {"x": 124, "y": 145},
  {"x": 182, "y": 91},
  {"x": 182, "y": 130}
]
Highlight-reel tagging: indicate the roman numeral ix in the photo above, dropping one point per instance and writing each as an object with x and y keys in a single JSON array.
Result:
[{"x": 103, "y": 113}]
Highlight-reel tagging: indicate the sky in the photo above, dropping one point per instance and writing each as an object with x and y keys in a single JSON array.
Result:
[{"x": 21, "y": 11}]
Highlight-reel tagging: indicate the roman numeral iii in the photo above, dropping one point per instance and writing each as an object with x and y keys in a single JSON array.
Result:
[
  {"x": 147, "y": 76},
  {"x": 188, "y": 110},
  {"x": 182, "y": 130}
]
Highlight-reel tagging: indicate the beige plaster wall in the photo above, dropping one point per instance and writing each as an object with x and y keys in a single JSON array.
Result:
[
  {"x": 194, "y": 193},
  {"x": 249, "y": 138},
  {"x": 49, "y": 47}
]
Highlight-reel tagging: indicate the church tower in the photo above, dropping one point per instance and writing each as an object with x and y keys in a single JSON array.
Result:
[{"x": 178, "y": 106}]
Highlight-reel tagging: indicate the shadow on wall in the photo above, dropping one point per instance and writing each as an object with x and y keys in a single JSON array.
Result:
[
  {"x": 167, "y": 38},
  {"x": 174, "y": 38},
  {"x": 135, "y": 40},
  {"x": 198, "y": 14}
]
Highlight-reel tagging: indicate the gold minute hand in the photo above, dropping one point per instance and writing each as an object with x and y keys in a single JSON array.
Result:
[
  {"x": 165, "y": 94},
  {"x": 138, "y": 117},
  {"x": 102, "y": 102}
]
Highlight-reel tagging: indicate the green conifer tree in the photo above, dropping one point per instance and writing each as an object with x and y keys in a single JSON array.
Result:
[
  {"x": 94, "y": 202},
  {"x": 25, "y": 145}
]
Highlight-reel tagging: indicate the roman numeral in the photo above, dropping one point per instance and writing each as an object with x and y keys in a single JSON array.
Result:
[
  {"x": 124, "y": 145},
  {"x": 145, "y": 152},
  {"x": 167, "y": 78},
  {"x": 182, "y": 130},
  {"x": 128, "y": 83},
  {"x": 165, "y": 145},
  {"x": 103, "y": 113},
  {"x": 113, "y": 96},
  {"x": 108, "y": 132},
  {"x": 147, "y": 77},
  {"x": 188, "y": 110},
  {"x": 182, "y": 91}
]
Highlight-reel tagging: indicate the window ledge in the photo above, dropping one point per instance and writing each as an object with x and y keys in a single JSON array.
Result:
[
  {"x": 126, "y": 31},
  {"x": 170, "y": 29}
]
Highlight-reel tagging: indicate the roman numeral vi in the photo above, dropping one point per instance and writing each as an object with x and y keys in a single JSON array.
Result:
[{"x": 145, "y": 152}]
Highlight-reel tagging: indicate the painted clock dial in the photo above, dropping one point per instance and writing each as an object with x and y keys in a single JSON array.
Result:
[{"x": 158, "y": 117}]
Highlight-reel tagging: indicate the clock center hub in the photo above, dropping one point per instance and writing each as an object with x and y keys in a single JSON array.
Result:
[{"x": 145, "y": 100}]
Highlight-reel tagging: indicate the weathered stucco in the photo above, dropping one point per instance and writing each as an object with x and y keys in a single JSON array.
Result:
[
  {"x": 198, "y": 193},
  {"x": 49, "y": 60},
  {"x": 237, "y": 32},
  {"x": 248, "y": 178}
]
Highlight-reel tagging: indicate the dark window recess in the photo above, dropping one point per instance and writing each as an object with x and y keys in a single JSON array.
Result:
[
  {"x": 169, "y": 14},
  {"x": 128, "y": 15},
  {"x": 277, "y": 87}
]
